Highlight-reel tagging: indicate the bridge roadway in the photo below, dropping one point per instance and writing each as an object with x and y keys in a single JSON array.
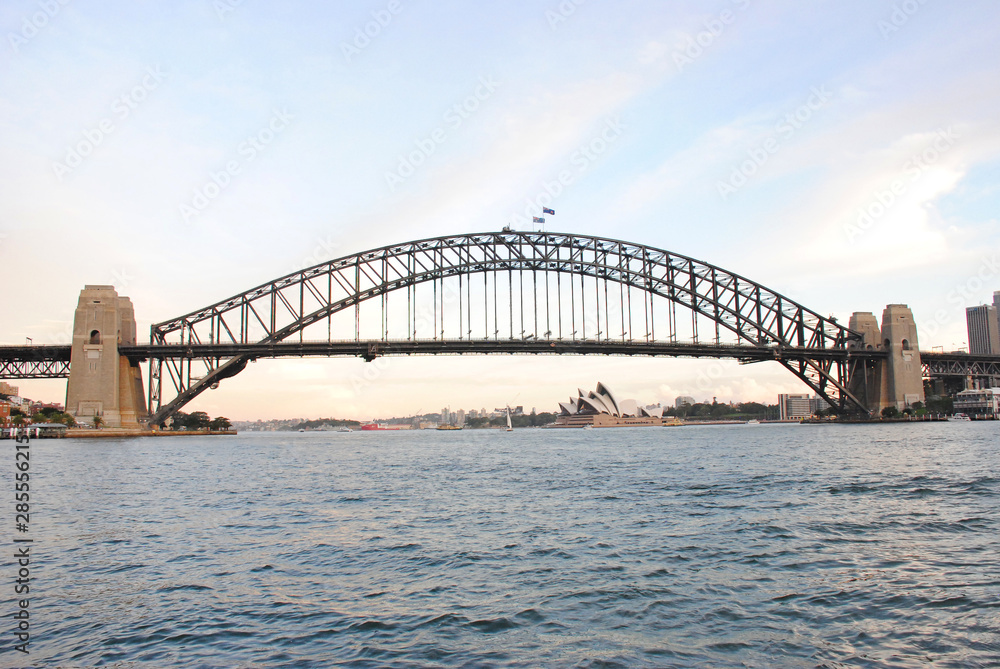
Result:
[
  {"x": 52, "y": 361},
  {"x": 369, "y": 349},
  {"x": 377, "y": 348}
]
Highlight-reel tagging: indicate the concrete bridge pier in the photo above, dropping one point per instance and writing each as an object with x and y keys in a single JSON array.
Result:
[
  {"x": 897, "y": 381},
  {"x": 102, "y": 382}
]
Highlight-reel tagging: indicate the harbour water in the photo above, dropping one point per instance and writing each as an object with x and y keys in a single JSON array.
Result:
[{"x": 756, "y": 546}]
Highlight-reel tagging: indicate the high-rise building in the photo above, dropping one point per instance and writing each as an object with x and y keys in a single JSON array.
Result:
[
  {"x": 984, "y": 330},
  {"x": 791, "y": 407},
  {"x": 682, "y": 400},
  {"x": 7, "y": 389},
  {"x": 817, "y": 404},
  {"x": 996, "y": 305}
]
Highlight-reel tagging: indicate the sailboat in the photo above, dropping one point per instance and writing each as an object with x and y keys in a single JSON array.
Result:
[{"x": 510, "y": 428}]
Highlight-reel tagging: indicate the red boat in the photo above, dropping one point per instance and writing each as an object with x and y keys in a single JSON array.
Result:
[{"x": 368, "y": 427}]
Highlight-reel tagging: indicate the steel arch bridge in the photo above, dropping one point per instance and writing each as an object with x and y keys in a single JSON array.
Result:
[{"x": 502, "y": 292}]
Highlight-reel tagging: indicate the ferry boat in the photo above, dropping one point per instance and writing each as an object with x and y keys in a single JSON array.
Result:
[
  {"x": 449, "y": 427},
  {"x": 381, "y": 427},
  {"x": 959, "y": 416}
]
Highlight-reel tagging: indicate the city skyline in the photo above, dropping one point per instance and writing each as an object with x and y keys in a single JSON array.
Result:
[{"x": 845, "y": 156}]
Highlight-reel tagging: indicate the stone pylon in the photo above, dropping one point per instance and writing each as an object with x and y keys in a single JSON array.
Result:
[
  {"x": 102, "y": 382},
  {"x": 898, "y": 380},
  {"x": 904, "y": 376}
]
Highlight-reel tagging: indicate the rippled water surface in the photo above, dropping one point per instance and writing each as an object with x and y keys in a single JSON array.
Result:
[{"x": 758, "y": 546}]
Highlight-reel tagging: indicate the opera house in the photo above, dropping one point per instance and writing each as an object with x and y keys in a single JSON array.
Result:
[{"x": 600, "y": 408}]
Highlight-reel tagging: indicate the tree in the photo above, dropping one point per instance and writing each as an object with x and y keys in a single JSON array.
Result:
[
  {"x": 945, "y": 405},
  {"x": 17, "y": 419},
  {"x": 196, "y": 420},
  {"x": 890, "y": 412},
  {"x": 753, "y": 409},
  {"x": 220, "y": 423},
  {"x": 98, "y": 422}
]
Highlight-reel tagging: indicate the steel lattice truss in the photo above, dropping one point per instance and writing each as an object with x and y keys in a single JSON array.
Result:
[
  {"x": 34, "y": 362},
  {"x": 30, "y": 369},
  {"x": 959, "y": 364},
  {"x": 273, "y": 312}
]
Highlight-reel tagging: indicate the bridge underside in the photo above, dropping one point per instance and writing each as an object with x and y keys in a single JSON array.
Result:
[
  {"x": 370, "y": 350},
  {"x": 34, "y": 362},
  {"x": 941, "y": 365}
]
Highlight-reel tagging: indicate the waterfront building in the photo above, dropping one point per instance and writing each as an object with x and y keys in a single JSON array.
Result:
[
  {"x": 600, "y": 408},
  {"x": 682, "y": 400},
  {"x": 984, "y": 329},
  {"x": 794, "y": 407},
  {"x": 985, "y": 402}
]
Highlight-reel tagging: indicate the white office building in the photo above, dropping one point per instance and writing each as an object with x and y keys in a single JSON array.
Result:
[{"x": 794, "y": 407}]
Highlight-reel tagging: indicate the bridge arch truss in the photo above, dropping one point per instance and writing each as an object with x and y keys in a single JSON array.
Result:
[{"x": 502, "y": 292}]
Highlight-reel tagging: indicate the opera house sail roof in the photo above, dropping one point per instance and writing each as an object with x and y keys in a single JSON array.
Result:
[{"x": 603, "y": 402}]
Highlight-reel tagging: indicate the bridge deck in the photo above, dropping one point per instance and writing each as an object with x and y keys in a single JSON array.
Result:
[
  {"x": 377, "y": 348},
  {"x": 52, "y": 361}
]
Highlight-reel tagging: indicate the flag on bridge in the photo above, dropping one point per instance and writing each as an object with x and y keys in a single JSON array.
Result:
[
  {"x": 535, "y": 219},
  {"x": 551, "y": 212}
]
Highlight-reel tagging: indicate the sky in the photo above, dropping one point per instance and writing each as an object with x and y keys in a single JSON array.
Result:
[{"x": 843, "y": 153}]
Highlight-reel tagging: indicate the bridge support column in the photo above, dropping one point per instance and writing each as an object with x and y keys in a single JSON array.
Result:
[
  {"x": 102, "y": 382},
  {"x": 868, "y": 379},
  {"x": 897, "y": 381},
  {"x": 905, "y": 383}
]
